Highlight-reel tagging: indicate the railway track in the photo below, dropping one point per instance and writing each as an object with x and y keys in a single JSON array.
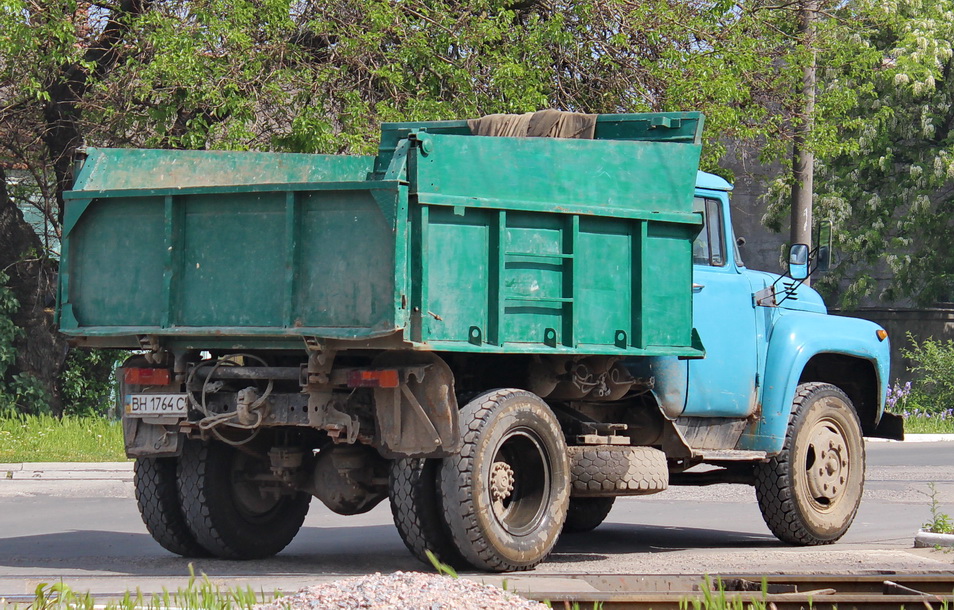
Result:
[
  {"x": 663, "y": 592},
  {"x": 781, "y": 592}
]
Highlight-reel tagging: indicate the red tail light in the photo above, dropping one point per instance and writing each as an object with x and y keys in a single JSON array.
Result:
[
  {"x": 387, "y": 378},
  {"x": 147, "y": 376}
]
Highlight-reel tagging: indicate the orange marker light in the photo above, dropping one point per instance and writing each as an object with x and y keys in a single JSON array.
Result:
[
  {"x": 387, "y": 378},
  {"x": 147, "y": 376},
  {"x": 882, "y": 334}
]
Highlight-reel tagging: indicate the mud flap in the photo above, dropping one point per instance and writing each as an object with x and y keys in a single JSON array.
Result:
[
  {"x": 891, "y": 427},
  {"x": 150, "y": 440},
  {"x": 418, "y": 418}
]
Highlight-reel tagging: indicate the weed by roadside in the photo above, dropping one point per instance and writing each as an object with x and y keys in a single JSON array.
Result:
[
  {"x": 940, "y": 523},
  {"x": 918, "y": 418},
  {"x": 916, "y": 422}
]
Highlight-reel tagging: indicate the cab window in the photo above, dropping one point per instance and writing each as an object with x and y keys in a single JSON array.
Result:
[{"x": 709, "y": 246}]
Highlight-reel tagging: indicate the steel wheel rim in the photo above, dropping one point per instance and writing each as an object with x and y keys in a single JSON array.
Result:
[
  {"x": 249, "y": 496},
  {"x": 825, "y": 465},
  {"x": 522, "y": 460}
]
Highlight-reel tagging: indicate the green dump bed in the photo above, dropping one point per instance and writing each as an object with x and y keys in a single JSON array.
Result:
[{"x": 443, "y": 241}]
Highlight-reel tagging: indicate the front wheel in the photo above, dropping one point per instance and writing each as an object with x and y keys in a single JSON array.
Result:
[
  {"x": 231, "y": 507},
  {"x": 505, "y": 494},
  {"x": 809, "y": 493}
]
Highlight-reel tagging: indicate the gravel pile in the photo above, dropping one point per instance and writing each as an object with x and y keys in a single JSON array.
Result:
[{"x": 403, "y": 590}]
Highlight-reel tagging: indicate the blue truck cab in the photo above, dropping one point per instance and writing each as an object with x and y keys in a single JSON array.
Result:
[{"x": 785, "y": 391}]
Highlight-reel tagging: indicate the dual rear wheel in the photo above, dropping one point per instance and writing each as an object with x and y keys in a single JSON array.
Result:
[
  {"x": 211, "y": 501},
  {"x": 498, "y": 505}
]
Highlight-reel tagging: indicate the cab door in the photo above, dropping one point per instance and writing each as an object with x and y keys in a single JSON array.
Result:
[{"x": 724, "y": 383}]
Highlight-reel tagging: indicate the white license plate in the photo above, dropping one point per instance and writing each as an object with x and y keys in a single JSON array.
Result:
[{"x": 151, "y": 405}]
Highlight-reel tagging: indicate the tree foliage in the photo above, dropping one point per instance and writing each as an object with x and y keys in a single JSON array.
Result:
[{"x": 886, "y": 172}]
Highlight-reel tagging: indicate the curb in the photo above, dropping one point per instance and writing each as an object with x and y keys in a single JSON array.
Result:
[
  {"x": 915, "y": 438},
  {"x": 67, "y": 471},
  {"x": 930, "y": 540}
]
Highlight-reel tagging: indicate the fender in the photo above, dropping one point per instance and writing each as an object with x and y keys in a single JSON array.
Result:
[{"x": 797, "y": 337}]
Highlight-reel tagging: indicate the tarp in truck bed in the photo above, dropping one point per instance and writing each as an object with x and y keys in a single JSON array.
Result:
[{"x": 541, "y": 124}]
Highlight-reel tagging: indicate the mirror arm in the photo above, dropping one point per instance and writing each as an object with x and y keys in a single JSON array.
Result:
[
  {"x": 813, "y": 258},
  {"x": 790, "y": 291}
]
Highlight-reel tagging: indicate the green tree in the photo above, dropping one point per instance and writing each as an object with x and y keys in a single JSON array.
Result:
[
  {"x": 895, "y": 193},
  {"x": 887, "y": 160}
]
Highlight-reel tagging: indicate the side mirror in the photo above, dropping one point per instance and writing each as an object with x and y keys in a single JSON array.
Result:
[
  {"x": 824, "y": 241},
  {"x": 798, "y": 261}
]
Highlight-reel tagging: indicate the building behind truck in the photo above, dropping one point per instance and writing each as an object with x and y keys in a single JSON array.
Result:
[{"x": 500, "y": 335}]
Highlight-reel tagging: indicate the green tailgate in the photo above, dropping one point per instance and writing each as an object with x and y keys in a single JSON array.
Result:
[
  {"x": 230, "y": 245},
  {"x": 445, "y": 241}
]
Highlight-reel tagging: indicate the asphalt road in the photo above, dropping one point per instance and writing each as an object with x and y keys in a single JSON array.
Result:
[{"x": 88, "y": 533}]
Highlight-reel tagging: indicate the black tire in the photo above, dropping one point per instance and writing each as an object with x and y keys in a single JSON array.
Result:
[
  {"x": 505, "y": 495},
  {"x": 810, "y": 492},
  {"x": 586, "y": 514},
  {"x": 225, "y": 509},
  {"x": 416, "y": 509},
  {"x": 158, "y": 500},
  {"x": 617, "y": 470}
]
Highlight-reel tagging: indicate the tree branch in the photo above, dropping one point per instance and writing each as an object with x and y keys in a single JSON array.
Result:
[{"x": 70, "y": 84}]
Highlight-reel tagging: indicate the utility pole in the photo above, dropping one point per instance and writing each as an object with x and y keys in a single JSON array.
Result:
[{"x": 803, "y": 159}]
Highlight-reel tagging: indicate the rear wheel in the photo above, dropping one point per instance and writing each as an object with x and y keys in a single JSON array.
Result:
[
  {"x": 586, "y": 514},
  {"x": 505, "y": 494},
  {"x": 416, "y": 509},
  {"x": 810, "y": 492},
  {"x": 158, "y": 501},
  {"x": 230, "y": 508}
]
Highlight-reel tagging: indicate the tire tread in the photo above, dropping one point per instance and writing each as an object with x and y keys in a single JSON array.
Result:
[
  {"x": 587, "y": 513},
  {"x": 158, "y": 500},
  {"x": 417, "y": 514},
  {"x": 207, "y": 509},
  {"x": 457, "y": 474}
]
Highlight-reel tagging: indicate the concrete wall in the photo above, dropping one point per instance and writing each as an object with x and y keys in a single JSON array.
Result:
[
  {"x": 762, "y": 247},
  {"x": 933, "y": 322}
]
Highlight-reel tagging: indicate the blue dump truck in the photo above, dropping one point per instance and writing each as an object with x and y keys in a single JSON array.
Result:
[{"x": 500, "y": 326}]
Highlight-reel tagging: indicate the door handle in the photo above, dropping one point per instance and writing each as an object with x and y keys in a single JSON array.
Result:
[{"x": 698, "y": 287}]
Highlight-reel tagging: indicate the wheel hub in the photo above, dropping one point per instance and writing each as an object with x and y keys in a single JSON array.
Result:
[
  {"x": 501, "y": 481},
  {"x": 252, "y": 497},
  {"x": 828, "y": 472}
]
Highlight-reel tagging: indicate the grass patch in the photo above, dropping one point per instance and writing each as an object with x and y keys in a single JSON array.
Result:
[
  {"x": 44, "y": 438},
  {"x": 199, "y": 594},
  {"x": 929, "y": 423}
]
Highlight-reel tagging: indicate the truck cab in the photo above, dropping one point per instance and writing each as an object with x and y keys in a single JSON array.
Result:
[{"x": 784, "y": 393}]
